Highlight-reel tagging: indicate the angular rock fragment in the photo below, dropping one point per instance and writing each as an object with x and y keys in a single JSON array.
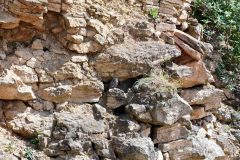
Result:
[
  {"x": 27, "y": 74},
  {"x": 115, "y": 98},
  {"x": 208, "y": 95},
  {"x": 135, "y": 148},
  {"x": 188, "y": 50},
  {"x": 206, "y": 148},
  {"x": 192, "y": 74},
  {"x": 169, "y": 133},
  {"x": 12, "y": 87},
  {"x": 25, "y": 121},
  {"x": 194, "y": 43},
  {"x": 81, "y": 121}
]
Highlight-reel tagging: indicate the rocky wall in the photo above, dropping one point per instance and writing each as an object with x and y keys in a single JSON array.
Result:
[{"x": 96, "y": 79}]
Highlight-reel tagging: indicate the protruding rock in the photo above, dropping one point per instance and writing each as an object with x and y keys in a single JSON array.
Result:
[
  {"x": 87, "y": 91},
  {"x": 158, "y": 101},
  {"x": 208, "y": 95},
  {"x": 126, "y": 61},
  {"x": 27, "y": 74},
  {"x": 197, "y": 74},
  {"x": 194, "y": 43}
]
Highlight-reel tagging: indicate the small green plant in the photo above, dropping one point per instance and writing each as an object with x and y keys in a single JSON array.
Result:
[
  {"x": 221, "y": 22},
  {"x": 159, "y": 81},
  {"x": 28, "y": 153},
  {"x": 153, "y": 13}
]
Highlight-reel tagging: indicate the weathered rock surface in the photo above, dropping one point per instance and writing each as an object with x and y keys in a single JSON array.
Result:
[
  {"x": 206, "y": 148},
  {"x": 192, "y": 74},
  {"x": 153, "y": 101},
  {"x": 208, "y": 95},
  {"x": 170, "y": 133},
  {"x": 25, "y": 121},
  {"x": 12, "y": 87},
  {"x": 115, "y": 98},
  {"x": 126, "y": 61},
  {"x": 79, "y": 93},
  {"x": 92, "y": 79},
  {"x": 136, "y": 148}
]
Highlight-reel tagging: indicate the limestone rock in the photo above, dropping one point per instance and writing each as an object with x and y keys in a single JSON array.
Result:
[
  {"x": 87, "y": 91},
  {"x": 157, "y": 102},
  {"x": 206, "y": 148},
  {"x": 198, "y": 112},
  {"x": 180, "y": 149},
  {"x": 188, "y": 50},
  {"x": 115, "y": 98},
  {"x": 135, "y": 148},
  {"x": 208, "y": 95},
  {"x": 194, "y": 43},
  {"x": 86, "y": 47},
  {"x": 170, "y": 111},
  {"x": 80, "y": 120},
  {"x": 197, "y": 75},
  {"x": 37, "y": 45},
  {"x": 126, "y": 61},
  {"x": 227, "y": 145},
  {"x": 27, "y": 122},
  {"x": 169, "y": 133},
  {"x": 12, "y": 87},
  {"x": 27, "y": 74}
]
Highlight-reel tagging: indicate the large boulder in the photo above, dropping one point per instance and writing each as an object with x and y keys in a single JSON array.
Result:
[
  {"x": 130, "y": 60},
  {"x": 81, "y": 121}
]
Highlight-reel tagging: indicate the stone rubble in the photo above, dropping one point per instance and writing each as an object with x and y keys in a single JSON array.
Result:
[{"x": 103, "y": 80}]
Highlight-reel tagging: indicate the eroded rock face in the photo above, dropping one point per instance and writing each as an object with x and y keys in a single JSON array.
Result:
[
  {"x": 79, "y": 93},
  {"x": 25, "y": 121},
  {"x": 170, "y": 133},
  {"x": 12, "y": 87},
  {"x": 126, "y": 61}
]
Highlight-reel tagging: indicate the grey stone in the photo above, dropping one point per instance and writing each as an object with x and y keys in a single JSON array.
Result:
[{"x": 128, "y": 60}]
